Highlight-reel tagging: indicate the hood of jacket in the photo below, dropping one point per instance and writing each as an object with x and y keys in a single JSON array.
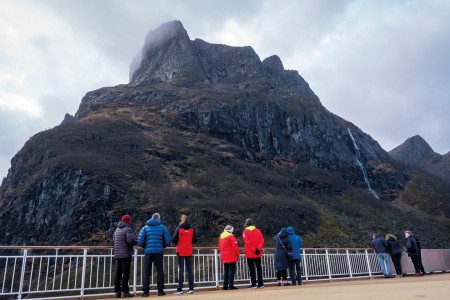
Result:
[
  {"x": 122, "y": 224},
  {"x": 290, "y": 230},
  {"x": 153, "y": 222},
  {"x": 186, "y": 225},
  {"x": 283, "y": 233},
  {"x": 225, "y": 234}
]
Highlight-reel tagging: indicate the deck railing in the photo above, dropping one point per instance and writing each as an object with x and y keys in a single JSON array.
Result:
[{"x": 80, "y": 272}]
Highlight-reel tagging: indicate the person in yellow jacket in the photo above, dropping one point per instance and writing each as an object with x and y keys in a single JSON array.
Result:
[{"x": 229, "y": 254}]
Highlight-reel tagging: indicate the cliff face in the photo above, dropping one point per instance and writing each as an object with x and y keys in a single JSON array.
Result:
[{"x": 212, "y": 131}]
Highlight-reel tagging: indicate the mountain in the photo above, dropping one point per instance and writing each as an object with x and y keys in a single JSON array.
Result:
[
  {"x": 416, "y": 152},
  {"x": 214, "y": 132}
]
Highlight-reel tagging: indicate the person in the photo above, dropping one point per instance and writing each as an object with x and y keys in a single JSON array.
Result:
[
  {"x": 283, "y": 251},
  {"x": 253, "y": 244},
  {"x": 419, "y": 247},
  {"x": 154, "y": 237},
  {"x": 295, "y": 267},
  {"x": 396, "y": 253},
  {"x": 380, "y": 246},
  {"x": 183, "y": 238},
  {"x": 413, "y": 251},
  {"x": 123, "y": 251},
  {"x": 229, "y": 254}
]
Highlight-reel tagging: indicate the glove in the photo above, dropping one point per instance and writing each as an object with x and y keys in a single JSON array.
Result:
[{"x": 257, "y": 252}]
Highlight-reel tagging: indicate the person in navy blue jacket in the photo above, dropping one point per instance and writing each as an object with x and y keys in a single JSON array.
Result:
[
  {"x": 295, "y": 267},
  {"x": 381, "y": 248},
  {"x": 396, "y": 253},
  {"x": 154, "y": 237}
]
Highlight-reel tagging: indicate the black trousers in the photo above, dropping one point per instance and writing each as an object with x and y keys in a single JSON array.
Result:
[
  {"x": 295, "y": 271},
  {"x": 252, "y": 264},
  {"x": 228, "y": 276},
  {"x": 415, "y": 261},
  {"x": 157, "y": 259},
  {"x": 421, "y": 268},
  {"x": 185, "y": 261},
  {"x": 122, "y": 275},
  {"x": 282, "y": 274},
  {"x": 396, "y": 260}
]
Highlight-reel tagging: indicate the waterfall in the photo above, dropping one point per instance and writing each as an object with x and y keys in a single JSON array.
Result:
[{"x": 358, "y": 161}]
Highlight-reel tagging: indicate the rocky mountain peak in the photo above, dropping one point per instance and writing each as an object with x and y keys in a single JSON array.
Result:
[
  {"x": 168, "y": 52},
  {"x": 412, "y": 151}
]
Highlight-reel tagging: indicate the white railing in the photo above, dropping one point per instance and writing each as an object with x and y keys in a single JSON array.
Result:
[{"x": 79, "y": 272}]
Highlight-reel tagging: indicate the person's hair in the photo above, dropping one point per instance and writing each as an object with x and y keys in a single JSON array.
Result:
[
  {"x": 156, "y": 216},
  {"x": 183, "y": 219},
  {"x": 387, "y": 236},
  {"x": 408, "y": 232},
  {"x": 248, "y": 222}
]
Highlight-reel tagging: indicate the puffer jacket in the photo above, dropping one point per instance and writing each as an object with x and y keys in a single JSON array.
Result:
[
  {"x": 296, "y": 243},
  {"x": 228, "y": 246},
  {"x": 123, "y": 241},
  {"x": 411, "y": 247},
  {"x": 154, "y": 237},
  {"x": 184, "y": 237},
  {"x": 253, "y": 239}
]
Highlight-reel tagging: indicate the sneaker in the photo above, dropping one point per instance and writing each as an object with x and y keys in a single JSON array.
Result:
[
  {"x": 260, "y": 286},
  {"x": 161, "y": 293},
  {"x": 178, "y": 293},
  {"x": 252, "y": 287},
  {"x": 190, "y": 292},
  {"x": 225, "y": 288},
  {"x": 127, "y": 295},
  {"x": 233, "y": 288},
  {"x": 144, "y": 295}
]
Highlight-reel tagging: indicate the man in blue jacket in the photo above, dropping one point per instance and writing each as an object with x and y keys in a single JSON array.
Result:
[
  {"x": 154, "y": 237},
  {"x": 295, "y": 268},
  {"x": 381, "y": 248}
]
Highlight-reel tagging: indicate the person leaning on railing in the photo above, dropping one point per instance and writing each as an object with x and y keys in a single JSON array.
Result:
[{"x": 413, "y": 251}]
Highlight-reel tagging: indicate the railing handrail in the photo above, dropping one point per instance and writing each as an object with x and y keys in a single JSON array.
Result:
[{"x": 138, "y": 247}]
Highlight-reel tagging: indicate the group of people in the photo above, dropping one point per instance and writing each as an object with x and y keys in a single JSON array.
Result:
[
  {"x": 390, "y": 246},
  {"x": 154, "y": 237}
]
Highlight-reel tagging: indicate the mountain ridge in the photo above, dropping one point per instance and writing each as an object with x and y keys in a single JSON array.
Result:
[{"x": 216, "y": 133}]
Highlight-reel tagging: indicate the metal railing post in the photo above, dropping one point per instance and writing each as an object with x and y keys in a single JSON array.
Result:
[
  {"x": 22, "y": 273},
  {"x": 368, "y": 263},
  {"x": 83, "y": 273},
  {"x": 216, "y": 267},
  {"x": 135, "y": 265},
  {"x": 328, "y": 263},
  {"x": 349, "y": 264},
  {"x": 305, "y": 265}
]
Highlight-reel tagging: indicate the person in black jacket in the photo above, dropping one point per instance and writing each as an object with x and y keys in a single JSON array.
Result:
[
  {"x": 413, "y": 251},
  {"x": 421, "y": 268},
  {"x": 380, "y": 245},
  {"x": 396, "y": 253},
  {"x": 123, "y": 251}
]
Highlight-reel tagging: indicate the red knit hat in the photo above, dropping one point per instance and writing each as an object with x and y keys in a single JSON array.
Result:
[{"x": 126, "y": 219}]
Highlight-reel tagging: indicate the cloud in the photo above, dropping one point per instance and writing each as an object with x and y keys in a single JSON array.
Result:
[{"x": 383, "y": 65}]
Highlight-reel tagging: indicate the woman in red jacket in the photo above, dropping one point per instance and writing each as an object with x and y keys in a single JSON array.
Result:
[
  {"x": 254, "y": 242},
  {"x": 184, "y": 237},
  {"x": 229, "y": 253}
]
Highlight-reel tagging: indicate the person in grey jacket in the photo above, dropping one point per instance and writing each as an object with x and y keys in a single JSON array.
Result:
[{"x": 123, "y": 251}]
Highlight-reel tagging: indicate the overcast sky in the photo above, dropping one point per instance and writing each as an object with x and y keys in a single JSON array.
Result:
[{"x": 383, "y": 65}]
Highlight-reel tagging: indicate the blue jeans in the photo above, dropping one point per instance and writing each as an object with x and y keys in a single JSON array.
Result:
[
  {"x": 182, "y": 261},
  {"x": 385, "y": 263}
]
